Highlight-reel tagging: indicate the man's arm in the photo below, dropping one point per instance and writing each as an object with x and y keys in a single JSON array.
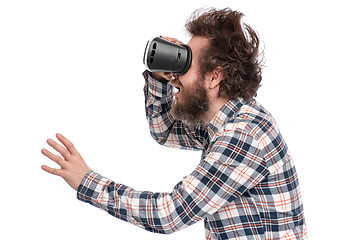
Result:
[
  {"x": 163, "y": 126},
  {"x": 225, "y": 173}
]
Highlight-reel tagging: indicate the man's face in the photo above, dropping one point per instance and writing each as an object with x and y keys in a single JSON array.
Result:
[{"x": 191, "y": 101}]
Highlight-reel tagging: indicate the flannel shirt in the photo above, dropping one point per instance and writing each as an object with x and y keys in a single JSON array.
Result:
[{"x": 244, "y": 187}]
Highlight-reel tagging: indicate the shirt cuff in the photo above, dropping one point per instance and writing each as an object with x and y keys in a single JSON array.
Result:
[
  {"x": 91, "y": 186},
  {"x": 155, "y": 87}
]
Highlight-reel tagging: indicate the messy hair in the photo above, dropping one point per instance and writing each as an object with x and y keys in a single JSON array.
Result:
[{"x": 234, "y": 47}]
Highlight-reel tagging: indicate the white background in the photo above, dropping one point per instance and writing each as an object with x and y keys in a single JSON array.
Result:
[{"x": 75, "y": 67}]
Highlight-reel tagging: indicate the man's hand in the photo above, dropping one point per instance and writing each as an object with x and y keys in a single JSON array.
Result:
[{"x": 73, "y": 167}]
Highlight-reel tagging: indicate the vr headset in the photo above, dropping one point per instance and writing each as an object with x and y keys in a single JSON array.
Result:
[{"x": 164, "y": 56}]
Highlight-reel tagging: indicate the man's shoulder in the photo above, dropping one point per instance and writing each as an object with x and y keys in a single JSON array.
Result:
[{"x": 253, "y": 119}]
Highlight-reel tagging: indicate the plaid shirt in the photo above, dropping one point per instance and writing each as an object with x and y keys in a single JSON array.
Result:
[{"x": 244, "y": 187}]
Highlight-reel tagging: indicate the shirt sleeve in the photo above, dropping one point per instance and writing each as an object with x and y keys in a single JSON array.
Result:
[
  {"x": 233, "y": 164},
  {"x": 163, "y": 126}
]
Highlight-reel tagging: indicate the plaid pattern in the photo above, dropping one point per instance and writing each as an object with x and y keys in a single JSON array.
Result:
[{"x": 245, "y": 186}]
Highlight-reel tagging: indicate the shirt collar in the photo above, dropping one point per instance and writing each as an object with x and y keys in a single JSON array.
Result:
[{"x": 224, "y": 115}]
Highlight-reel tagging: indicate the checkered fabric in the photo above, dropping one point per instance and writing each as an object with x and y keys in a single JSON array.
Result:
[{"x": 244, "y": 187}]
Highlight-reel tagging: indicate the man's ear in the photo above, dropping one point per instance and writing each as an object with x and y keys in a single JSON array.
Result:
[{"x": 215, "y": 77}]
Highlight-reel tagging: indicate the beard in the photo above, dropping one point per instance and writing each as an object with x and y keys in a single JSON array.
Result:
[{"x": 194, "y": 104}]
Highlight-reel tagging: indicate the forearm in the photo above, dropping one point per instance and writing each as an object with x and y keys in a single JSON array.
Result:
[
  {"x": 158, "y": 99},
  {"x": 155, "y": 212},
  {"x": 163, "y": 126}
]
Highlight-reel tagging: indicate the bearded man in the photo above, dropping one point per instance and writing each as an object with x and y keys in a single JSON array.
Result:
[{"x": 245, "y": 185}]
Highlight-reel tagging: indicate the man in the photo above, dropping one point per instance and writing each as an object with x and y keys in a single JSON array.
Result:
[{"x": 245, "y": 185}]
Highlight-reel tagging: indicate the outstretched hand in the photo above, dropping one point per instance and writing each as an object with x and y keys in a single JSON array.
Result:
[{"x": 73, "y": 167}]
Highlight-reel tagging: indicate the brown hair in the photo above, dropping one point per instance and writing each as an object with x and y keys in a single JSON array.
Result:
[{"x": 233, "y": 46}]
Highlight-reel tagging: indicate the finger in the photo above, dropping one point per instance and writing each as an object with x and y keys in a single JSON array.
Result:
[
  {"x": 178, "y": 42},
  {"x": 53, "y": 171},
  {"x": 63, "y": 151},
  {"x": 69, "y": 146},
  {"x": 174, "y": 40},
  {"x": 59, "y": 160},
  {"x": 168, "y": 38}
]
